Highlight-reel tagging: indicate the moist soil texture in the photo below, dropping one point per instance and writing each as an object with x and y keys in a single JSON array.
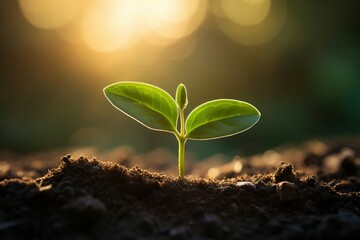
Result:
[{"x": 309, "y": 192}]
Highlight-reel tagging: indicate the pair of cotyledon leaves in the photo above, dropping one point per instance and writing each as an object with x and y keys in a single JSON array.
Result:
[{"x": 157, "y": 110}]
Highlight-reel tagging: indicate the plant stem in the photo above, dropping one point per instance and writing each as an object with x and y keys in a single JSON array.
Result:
[
  {"x": 182, "y": 140},
  {"x": 181, "y": 157}
]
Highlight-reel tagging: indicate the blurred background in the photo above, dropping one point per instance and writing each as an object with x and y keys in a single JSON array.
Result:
[{"x": 298, "y": 62}]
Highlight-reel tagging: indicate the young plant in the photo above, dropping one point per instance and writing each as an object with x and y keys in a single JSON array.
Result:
[{"x": 156, "y": 109}]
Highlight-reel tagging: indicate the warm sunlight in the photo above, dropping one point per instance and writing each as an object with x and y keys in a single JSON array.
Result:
[
  {"x": 250, "y": 22},
  {"x": 246, "y": 12},
  {"x": 114, "y": 25},
  {"x": 111, "y": 25},
  {"x": 50, "y": 14}
]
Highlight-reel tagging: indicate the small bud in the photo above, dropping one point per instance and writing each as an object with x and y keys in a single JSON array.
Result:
[{"x": 181, "y": 96}]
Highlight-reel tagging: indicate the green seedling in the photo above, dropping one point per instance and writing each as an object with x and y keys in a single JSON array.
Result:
[{"x": 156, "y": 109}]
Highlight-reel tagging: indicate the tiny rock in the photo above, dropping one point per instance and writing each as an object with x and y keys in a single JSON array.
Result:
[
  {"x": 45, "y": 188},
  {"x": 246, "y": 185},
  {"x": 286, "y": 191}
]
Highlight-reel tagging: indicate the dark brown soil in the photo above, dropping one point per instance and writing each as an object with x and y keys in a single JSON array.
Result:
[{"x": 90, "y": 199}]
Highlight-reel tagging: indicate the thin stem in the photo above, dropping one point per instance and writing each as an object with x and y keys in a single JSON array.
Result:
[
  {"x": 182, "y": 123},
  {"x": 182, "y": 140},
  {"x": 181, "y": 157}
]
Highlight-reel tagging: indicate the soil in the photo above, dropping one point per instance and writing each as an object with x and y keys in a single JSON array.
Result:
[{"x": 308, "y": 192}]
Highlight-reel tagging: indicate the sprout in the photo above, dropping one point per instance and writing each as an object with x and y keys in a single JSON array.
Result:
[{"x": 156, "y": 109}]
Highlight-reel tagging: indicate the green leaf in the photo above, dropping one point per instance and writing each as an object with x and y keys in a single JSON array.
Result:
[
  {"x": 220, "y": 118},
  {"x": 147, "y": 104}
]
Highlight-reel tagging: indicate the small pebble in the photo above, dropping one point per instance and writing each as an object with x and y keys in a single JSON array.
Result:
[
  {"x": 45, "y": 188},
  {"x": 286, "y": 191},
  {"x": 246, "y": 185}
]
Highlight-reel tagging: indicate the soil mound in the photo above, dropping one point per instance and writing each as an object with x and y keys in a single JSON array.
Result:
[{"x": 89, "y": 199}]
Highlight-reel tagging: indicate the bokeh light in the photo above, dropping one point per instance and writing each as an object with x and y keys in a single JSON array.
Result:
[
  {"x": 181, "y": 19},
  {"x": 108, "y": 24},
  {"x": 250, "y": 22},
  {"x": 246, "y": 12},
  {"x": 111, "y": 25},
  {"x": 50, "y": 14}
]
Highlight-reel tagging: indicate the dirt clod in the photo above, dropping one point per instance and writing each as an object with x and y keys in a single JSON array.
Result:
[
  {"x": 66, "y": 159},
  {"x": 286, "y": 191},
  {"x": 285, "y": 172}
]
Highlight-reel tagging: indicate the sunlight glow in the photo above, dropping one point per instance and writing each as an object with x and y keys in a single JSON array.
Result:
[
  {"x": 250, "y": 22},
  {"x": 246, "y": 12},
  {"x": 110, "y": 25},
  {"x": 122, "y": 25},
  {"x": 50, "y": 14},
  {"x": 107, "y": 25}
]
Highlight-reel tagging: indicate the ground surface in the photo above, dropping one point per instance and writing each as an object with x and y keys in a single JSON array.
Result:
[{"x": 308, "y": 192}]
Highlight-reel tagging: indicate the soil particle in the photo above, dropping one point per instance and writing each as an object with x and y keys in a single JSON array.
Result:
[
  {"x": 286, "y": 191},
  {"x": 285, "y": 173},
  {"x": 246, "y": 185},
  {"x": 66, "y": 159}
]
